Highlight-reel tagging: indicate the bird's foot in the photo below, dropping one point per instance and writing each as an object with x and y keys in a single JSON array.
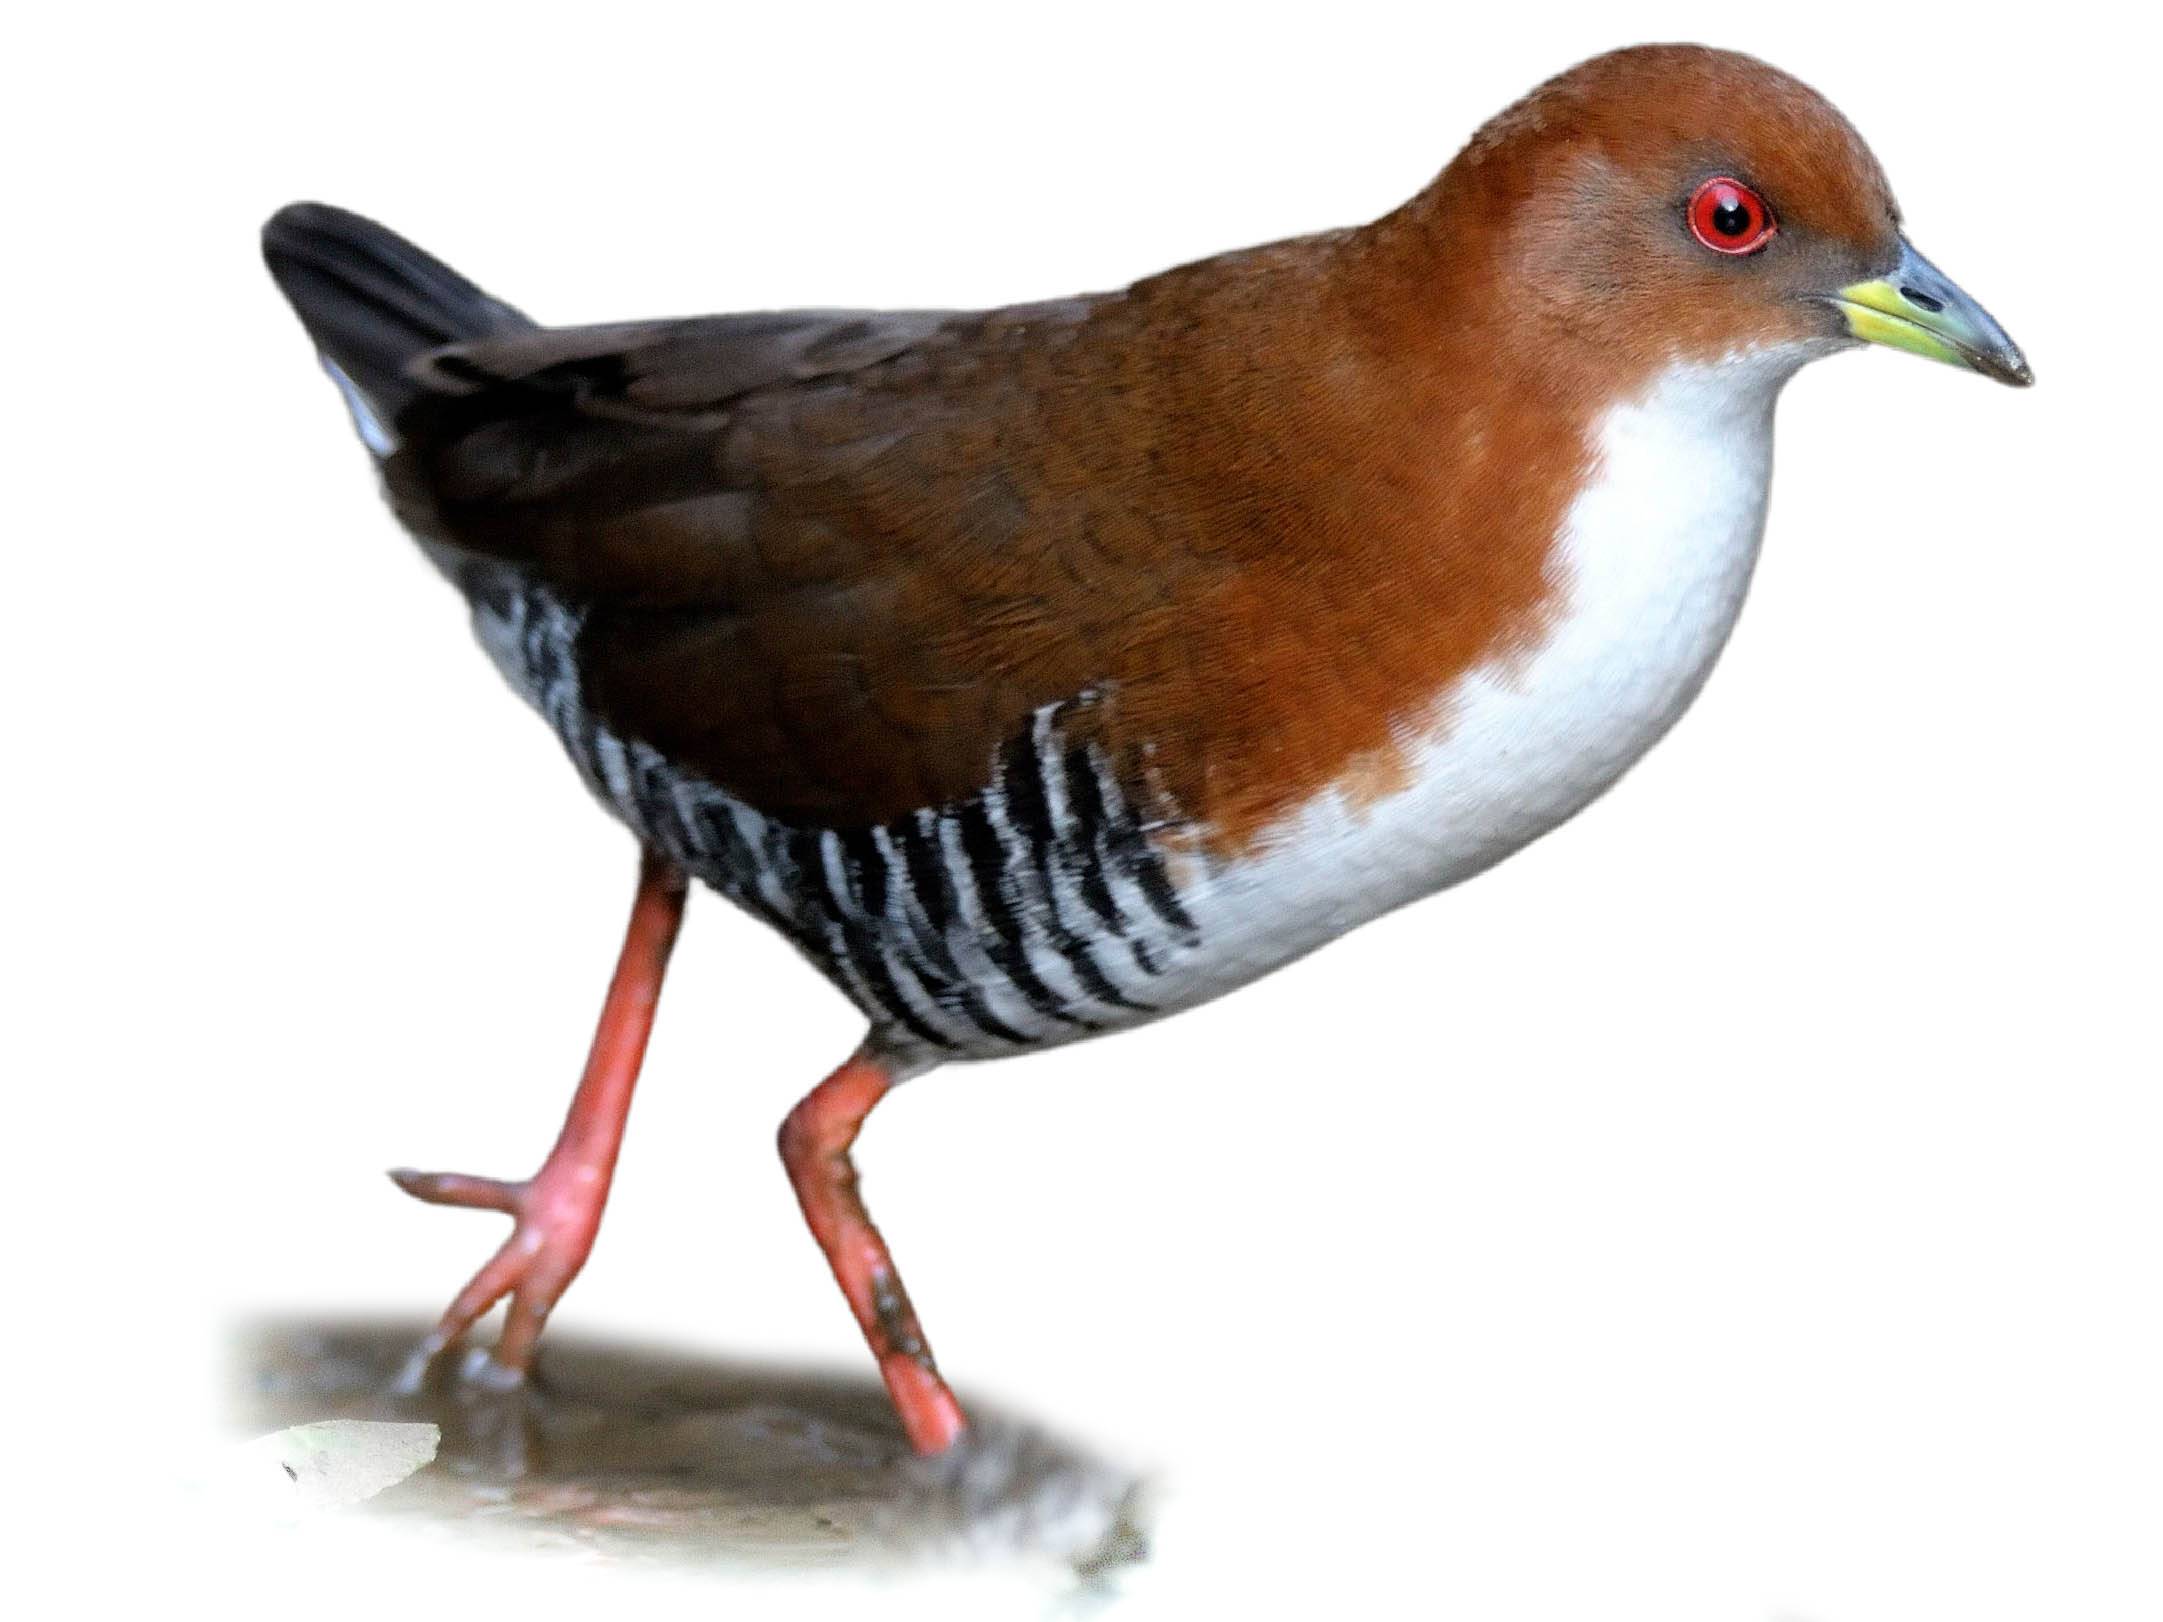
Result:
[{"x": 556, "y": 1214}]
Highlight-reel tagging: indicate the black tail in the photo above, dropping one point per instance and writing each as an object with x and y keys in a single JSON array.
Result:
[{"x": 373, "y": 302}]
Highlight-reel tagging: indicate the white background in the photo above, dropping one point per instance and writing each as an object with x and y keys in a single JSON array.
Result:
[{"x": 1742, "y": 1204}]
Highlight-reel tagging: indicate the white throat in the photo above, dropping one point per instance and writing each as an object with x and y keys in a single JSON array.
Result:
[{"x": 1656, "y": 555}]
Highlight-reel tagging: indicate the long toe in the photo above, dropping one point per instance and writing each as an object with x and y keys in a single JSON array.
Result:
[{"x": 456, "y": 1188}]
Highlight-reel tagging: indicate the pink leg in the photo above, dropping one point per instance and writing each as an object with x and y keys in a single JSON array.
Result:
[
  {"x": 815, "y": 1142},
  {"x": 557, "y": 1211}
]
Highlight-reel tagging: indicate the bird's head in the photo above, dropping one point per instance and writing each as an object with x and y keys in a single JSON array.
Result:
[{"x": 1673, "y": 202}]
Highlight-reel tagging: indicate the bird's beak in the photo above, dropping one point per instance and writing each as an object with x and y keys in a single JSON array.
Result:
[{"x": 1918, "y": 308}]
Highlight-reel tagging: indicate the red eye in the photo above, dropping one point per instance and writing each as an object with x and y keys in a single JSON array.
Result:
[{"x": 1728, "y": 217}]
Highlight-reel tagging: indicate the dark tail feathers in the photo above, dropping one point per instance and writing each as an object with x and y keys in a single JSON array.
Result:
[{"x": 373, "y": 302}]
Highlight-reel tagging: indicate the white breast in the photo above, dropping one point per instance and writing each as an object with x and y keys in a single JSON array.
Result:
[{"x": 1655, "y": 557}]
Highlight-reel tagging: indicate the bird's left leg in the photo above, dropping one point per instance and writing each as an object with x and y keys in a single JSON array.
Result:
[
  {"x": 815, "y": 1143},
  {"x": 558, "y": 1209}
]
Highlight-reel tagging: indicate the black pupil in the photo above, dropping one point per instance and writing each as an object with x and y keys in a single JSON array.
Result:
[{"x": 1730, "y": 216}]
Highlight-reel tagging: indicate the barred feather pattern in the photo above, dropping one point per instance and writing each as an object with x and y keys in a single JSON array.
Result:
[{"x": 1037, "y": 910}]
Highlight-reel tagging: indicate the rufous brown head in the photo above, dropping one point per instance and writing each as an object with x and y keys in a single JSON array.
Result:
[{"x": 1673, "y": 202}]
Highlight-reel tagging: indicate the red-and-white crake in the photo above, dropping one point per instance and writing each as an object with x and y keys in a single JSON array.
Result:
[{"x": 1041, "y": 671}]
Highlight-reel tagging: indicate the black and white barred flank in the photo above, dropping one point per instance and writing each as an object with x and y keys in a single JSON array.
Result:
[{"x": 1034, "y": 911}]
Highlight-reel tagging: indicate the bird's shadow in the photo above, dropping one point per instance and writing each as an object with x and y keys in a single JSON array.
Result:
[{"x": 627, "y": 1453}]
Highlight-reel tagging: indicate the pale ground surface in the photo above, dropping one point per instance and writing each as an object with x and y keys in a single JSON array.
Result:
[{"x": 624, "y": 1456}]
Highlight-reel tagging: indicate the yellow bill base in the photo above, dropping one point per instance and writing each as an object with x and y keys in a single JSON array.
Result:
[{"x": 1875, "y": 313}]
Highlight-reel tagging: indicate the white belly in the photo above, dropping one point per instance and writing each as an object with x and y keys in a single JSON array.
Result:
[{"x": 1655, "y": 558}]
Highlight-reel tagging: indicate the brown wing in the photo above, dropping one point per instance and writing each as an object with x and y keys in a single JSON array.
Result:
[
  {"x": 834, "y": 561},
  {"x": 830, "y": 561}
]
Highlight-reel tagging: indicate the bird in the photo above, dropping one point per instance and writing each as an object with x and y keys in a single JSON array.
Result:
[{"x": 1040, "y": 672}]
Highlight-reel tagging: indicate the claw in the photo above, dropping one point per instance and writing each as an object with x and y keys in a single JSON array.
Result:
[
  {"x": 481, "y": 1369},
  {"x": 412, "y": 1376}
]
